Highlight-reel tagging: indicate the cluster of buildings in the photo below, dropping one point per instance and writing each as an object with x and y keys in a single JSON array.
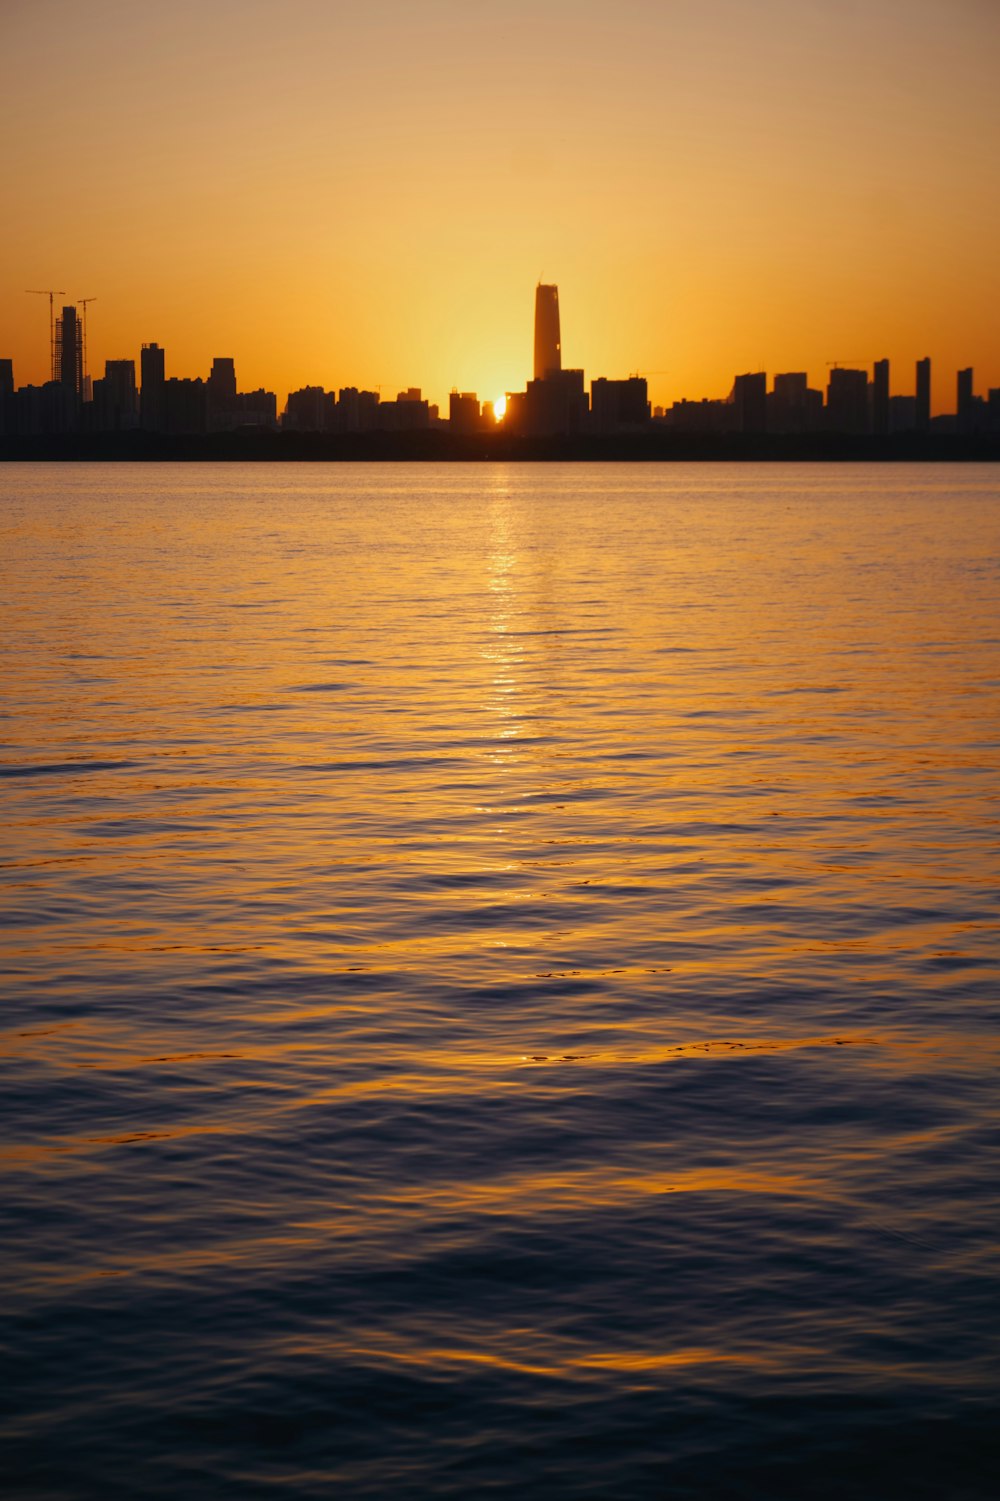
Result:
[
  {"x": 116, "y": 402},
  {"x": 555, "y": 401}
]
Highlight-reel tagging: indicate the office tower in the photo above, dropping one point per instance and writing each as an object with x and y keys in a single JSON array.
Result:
[
  {"x": 152, "y": 408},
  {"x": 222, "y": 402},
  {"x": 6, "y": 378},
  {"x": 880, "y": 398},
  {"x": 966, "y": 401},
  {"x": 618, "y": 405},
  {"x": 309, "y": 410},
  {"x": 923, "y": 420},
  {"x": 749, "y": 399},
  {"x": 548, "y": 348},
  {"x": 794, "y": 406},
  {"x": 847, "y": 401},
  {"x": 222, "y": 382},
  {"x": 464, "y": 412},
  {"x": 69, "y": 351},
  {"x": 554, "y": 406},
  {"x": 116, "y": 403}
]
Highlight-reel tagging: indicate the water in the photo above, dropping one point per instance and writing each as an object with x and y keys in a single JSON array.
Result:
[{"x": 500, "y": 971}]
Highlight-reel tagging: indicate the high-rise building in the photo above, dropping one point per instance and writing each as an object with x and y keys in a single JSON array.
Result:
[
  {"x": 309, "y": 410},
  {"x": 464, "y": 412},
  {"x": 222, "y": 382},
  {"x": 152, "y": 399},
  {"x": 923, "y": 415},
  {"x": 847, "y": 401},
  {"x": 749, "y": 399},
  {"x": 115, "y": 399},
  {"x": 69, "y": 351},
  {"x": 793, "y": 405},
  {"x": 548, "y": 346},
  {"x": 965, "y": 405},
  {"x": 6, "y": 377},
  {"x": 618, "y": 405},
  {"x": 880, "y": 398}
]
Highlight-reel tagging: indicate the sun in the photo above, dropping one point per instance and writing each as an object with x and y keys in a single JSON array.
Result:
[{"x": 499, "y": 408}]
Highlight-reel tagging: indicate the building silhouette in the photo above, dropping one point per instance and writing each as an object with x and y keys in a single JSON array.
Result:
[
  {"x": 847, "y": 401},
  {"x": 310, "y": 410},
  {"x": 793, "y": 406},
  {"x": 923, "y": 411},
  {"x": 152, "y": 395},
  {"x": 880, "y": 398},
  {"x": 464, "y": 412},
  {"x": 69, "y": 351},
  {"x": 115, "y": 398},
  {"x": 965, "y": 408},
  {"x": 548, "y": 344},
  {"x": 749, "y": 401},
  {"x": 618, "y": 406}
]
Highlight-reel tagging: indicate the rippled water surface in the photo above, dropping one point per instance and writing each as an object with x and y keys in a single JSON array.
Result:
[{"x": 499, "y": 979}]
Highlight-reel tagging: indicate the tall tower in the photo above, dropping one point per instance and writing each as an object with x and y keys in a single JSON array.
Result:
[
  {"x": 923, "y": 395},
  {"x": 548, "y": 349},
  {"x": 153, "y": 391},
  {"x": 69, "y": 351},
  {"x": 880, "y": 398}
]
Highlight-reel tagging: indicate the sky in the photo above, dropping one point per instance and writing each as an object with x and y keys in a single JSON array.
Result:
[{"x": 367, "y": 193}]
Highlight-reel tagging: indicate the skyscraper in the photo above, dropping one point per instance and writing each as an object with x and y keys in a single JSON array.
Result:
[
  {"x": 923, "y": 395},
  {"x": 880, "y": 398},
  {"x": 69, "y": 351},
  {"x": 548, "y": 349},
  {"x": 152, "y": 401}
]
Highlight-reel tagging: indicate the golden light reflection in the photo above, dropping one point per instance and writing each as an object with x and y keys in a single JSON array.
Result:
[{"x": 500, "y": 408}]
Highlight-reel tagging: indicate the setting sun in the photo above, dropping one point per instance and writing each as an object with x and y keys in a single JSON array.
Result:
[{"x": 499, "y": 408}]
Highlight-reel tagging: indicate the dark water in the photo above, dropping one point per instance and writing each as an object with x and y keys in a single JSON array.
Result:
[{"x": 500, "y": 973}]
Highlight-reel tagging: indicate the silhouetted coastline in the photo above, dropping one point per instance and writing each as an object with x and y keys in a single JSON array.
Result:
[{"x": 441, "y": 446}]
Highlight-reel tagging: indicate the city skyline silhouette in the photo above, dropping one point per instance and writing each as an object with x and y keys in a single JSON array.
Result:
[
  {"x": 555, "y": 403},
  {"x": 362, "y": 198}
]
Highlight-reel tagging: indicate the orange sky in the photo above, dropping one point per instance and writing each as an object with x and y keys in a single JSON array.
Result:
[{"x": 367, "y": 193}]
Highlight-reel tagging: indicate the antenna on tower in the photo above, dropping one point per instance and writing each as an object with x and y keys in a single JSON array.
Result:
[{"x": 34, "y": 292}]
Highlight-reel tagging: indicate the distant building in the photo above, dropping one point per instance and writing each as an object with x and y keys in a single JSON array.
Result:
[
  {"x": 548, "y": 343},
  {"x": 618, "y": 405},
  {"x": 221, "y": 383},
  {"x": 6, "y": 396},
  {"x": 880, "y": 398},
  {"x": 847, "y": 401},
  {"x": 749, "y": 401},
  {"x": 69, "y": 351},
  {"x": 185, "y": 406},
  {"x": 700, "y": 416},
  {"x": 115, "y": 398},
  {"x": 793, "y": 406},
  {"x": 258, "y": 408},
  {"x": 966, "y": 404},
  {"x": 902, "y": 414},
  {"x": 551, "y": 407},
  {"x": 408, "y": 413},
  {"x": 310, "y": 410},
  {"x": 923, "y": 397},
  {"x": 152, "y": 409},
  {"x": 464, "y": 412},
  {"x": 357, "y": 411}
]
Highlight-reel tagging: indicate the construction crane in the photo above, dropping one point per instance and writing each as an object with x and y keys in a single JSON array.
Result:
[
  {"x": 33, "y": 292},
  {"x": 850, "y": 364},
  {"x": 82, "y": 302}
]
